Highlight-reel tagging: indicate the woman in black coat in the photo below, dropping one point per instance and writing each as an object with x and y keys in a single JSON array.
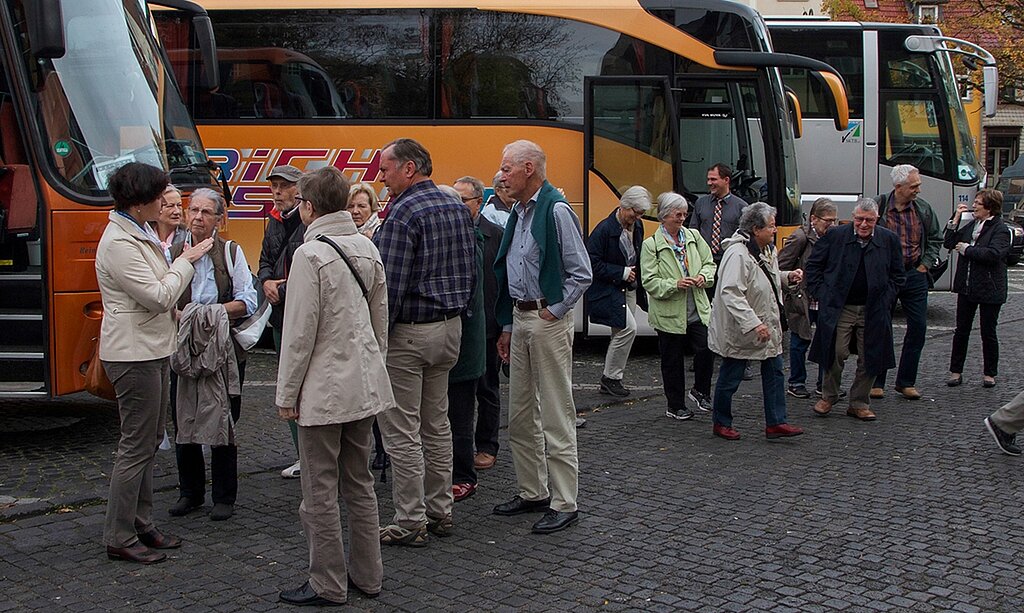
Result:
[{"x": 980, "y": 280}]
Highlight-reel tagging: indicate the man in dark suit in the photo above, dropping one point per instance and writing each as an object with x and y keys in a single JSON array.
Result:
[
  {"x": 488, "y": 399},
  {"x": 612, "y": 298},
  {"x": 855, "y": 273}
]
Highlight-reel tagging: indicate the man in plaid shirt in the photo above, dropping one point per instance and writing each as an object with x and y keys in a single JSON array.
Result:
[{"x": 428, "y": 248}]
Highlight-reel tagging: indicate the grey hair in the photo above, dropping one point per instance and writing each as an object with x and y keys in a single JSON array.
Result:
[
  {"x": 451, "y": 191},
  {"x": 823, "y": 205},
  {"x": 364, "y": 188},
  {"x": 522, "y": 151},
  {"x": 755, "y": 217},
  {"x": 496, "y": 183},
  {"x": 636, "y": 197},
  {"x": 867, "y": 205},
  {"x": 409, "y": 150},
  {"x": 213, "y": 196},
  {"x": 171, "y": 187},
  {"x": 670, "y": 201},
  {"x": 901, "y": 173},
  {"x": 478, "y": 185}
]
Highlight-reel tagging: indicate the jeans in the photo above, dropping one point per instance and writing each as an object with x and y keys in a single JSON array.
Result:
[
  {"x": 773, "y": 388},
  {"x": 914, "y": 298},
  {"x": 798, "y": 357},
  {"x": 965, "y": 310}
]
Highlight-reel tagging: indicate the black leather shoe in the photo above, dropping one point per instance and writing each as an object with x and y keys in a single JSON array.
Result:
[
  {"x": 553, "y": 521},
  {"x": 306, "y": 596},
  {"x": 518, "y": 506},
  {"x": 352, "y": 586},
  {"x": 138, "y": 553},
  {"x": 184, "y": 506},
  {"x": 154, "y": 539},
  {"x": 222, "y": 511}
]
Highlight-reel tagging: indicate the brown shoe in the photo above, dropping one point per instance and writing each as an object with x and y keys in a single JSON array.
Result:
[
  {"x": 138, "y": 553},
  {"x": 910, "y": 393},
  {"x": 823, "y": 407},
  {"x": 877, "y": 392},
  {"x": 483, "y": 461},
  {"x": 861, "y": 413}
]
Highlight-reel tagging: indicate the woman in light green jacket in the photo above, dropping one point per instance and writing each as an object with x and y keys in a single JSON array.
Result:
[{"x": 675, "y": 267}]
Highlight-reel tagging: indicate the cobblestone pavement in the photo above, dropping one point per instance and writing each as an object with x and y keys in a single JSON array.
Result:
[{"x": 915, "y": 512}]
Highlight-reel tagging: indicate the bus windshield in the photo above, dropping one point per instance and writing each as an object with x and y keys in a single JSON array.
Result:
[
  {"x": 110, "y": 99},
  {"x": 967, "y": 167}
]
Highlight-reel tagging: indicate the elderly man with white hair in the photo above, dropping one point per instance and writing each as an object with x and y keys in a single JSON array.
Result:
[
  {"x": 542, "y": 271},
  {"x": 614, "y": 248},
  {"x": 904, "y": 212}
]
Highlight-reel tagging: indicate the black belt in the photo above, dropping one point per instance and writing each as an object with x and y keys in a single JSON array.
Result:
[
  {"x": 531, "y": 305},
  {"x": 434, "y": 320}
]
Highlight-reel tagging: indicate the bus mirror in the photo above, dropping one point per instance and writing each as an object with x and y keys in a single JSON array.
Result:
[
  {"x": 46, "y": 28},
  {"x": 990, "y": 76},
  {"x": 840, "y": 104},
  {"x": 210, "y": 77},
  {"x": 796, "y": 117}
]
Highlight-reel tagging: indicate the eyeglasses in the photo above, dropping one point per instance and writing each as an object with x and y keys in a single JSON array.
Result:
[
  {"x": 865, "y": 220},
  {"x": 471, "y": 198},
  {"x": 299, "y": 200},
  {"x": 828, "y": 220}
]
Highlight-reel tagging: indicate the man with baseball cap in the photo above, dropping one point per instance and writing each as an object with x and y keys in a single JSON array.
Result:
[{"x": 283, "y": 236}]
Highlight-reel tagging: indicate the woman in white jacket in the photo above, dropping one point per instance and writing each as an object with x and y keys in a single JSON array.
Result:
[
  {"x": 746, "y": 321},
  {"x": 139, "y": 289}
]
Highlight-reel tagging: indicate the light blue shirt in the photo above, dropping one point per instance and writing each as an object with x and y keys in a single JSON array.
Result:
[
  {"x": 523, "y": 259},
  {"x": 204, "y": 287}
]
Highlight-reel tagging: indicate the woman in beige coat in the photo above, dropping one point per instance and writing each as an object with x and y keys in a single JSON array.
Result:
[
  {"x": 137, "y": 336},
  {"x": 332, "y": 380},
  {"x": 746, "y": 321}
]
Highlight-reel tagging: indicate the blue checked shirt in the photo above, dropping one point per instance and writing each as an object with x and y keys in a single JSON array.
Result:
[{"x": 429, "y": 253}]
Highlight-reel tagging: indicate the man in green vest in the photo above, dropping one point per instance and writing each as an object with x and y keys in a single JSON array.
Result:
[{"x": 542, "y": 270}]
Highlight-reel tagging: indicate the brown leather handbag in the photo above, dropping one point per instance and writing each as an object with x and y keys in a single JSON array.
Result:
[{"x": 96, "y": 381}]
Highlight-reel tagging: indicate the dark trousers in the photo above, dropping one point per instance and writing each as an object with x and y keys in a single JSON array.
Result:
[
  {"x": 223, "y": 458},
  {"x": 773, "y": 390},
  {"x": 672, "y": 348},
  {"x": 461, "y": 414},
  {"x": 488, "y": 400},
  {"x": 965, "y": 310},
  {"x": 914, "y": 298}
]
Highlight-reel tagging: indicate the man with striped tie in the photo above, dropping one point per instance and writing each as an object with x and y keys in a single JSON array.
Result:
[{"x": 717, "y": 217}]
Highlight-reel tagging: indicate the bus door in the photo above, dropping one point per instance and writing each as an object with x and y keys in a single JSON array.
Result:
[
  {"x": 630, "y": 138},
  {"x": 719, "y": 121}
]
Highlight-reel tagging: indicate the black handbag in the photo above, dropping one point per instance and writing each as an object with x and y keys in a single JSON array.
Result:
[{"x": 936, "y": 270}]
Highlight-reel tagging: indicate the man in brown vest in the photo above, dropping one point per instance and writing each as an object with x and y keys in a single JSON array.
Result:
[{"x": 213, "y": 283}]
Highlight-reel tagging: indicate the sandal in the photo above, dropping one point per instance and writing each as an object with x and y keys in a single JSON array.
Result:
[
  {"x": 440, "y": 527},
  {"x": 954, "y": 379},
  {"x": 988, "y": 382},
  {"x": 394, "y": 534}
]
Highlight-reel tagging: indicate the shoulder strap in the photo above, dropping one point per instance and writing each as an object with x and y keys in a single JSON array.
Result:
[
  {"x": 359, "y": 280},
  {"x": 230, "y": 261}
]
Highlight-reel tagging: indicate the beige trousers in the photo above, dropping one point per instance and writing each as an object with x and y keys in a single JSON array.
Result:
[
  {"x": 542, "y": 414},
  {"x": 621, "y": 341},
  {"x": 329, "y": 455},
  {"x": 143, "y": 398},
  {"x": 851, "y": 322},
  {"x": 417, "y": 434},
  {"x": 1010, "y": 417}
]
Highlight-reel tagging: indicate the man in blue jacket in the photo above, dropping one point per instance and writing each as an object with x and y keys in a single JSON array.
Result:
[
  {"x": 854, "y": 272},
  {"x": 614, "y": 248}
]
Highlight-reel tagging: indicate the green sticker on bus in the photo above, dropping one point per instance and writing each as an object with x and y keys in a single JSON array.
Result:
[{"x": 62, "y": 148}]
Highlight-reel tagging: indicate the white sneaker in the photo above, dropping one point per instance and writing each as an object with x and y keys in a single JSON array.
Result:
[{"x": 292, "y": 472}]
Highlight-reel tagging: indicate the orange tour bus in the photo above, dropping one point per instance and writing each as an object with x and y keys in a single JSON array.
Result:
[
  {"x": 617, "y": 92},
  {"x": 84, "y": 89}
]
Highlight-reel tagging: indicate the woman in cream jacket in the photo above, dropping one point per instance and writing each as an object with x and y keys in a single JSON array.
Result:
[{"x": 137, "y": 336}]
